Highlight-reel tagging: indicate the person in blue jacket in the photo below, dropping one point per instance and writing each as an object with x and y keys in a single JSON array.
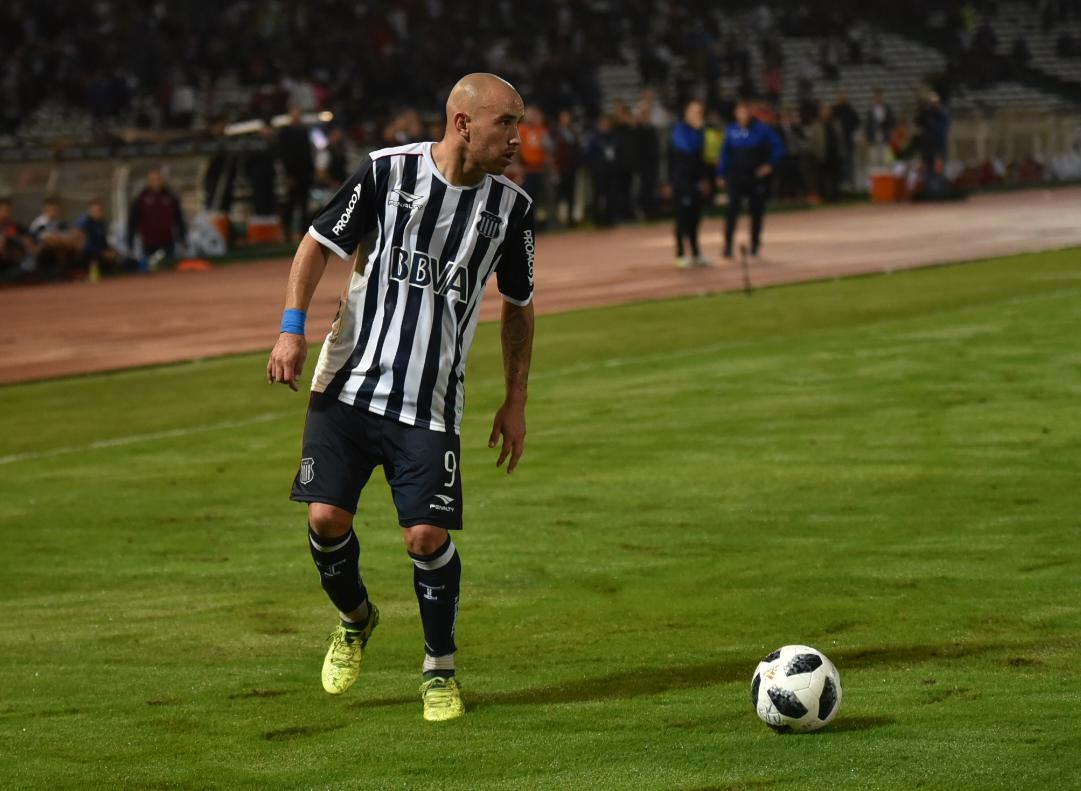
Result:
[
  {"x": 687, "y": 172},
  {"x": 751, "y": 150}
]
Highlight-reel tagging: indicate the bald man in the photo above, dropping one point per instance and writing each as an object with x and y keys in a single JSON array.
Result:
[{"x": 434, "y": 222}]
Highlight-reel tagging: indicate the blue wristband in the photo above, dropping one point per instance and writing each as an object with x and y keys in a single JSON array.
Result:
[{"x": 293, "y": 321}]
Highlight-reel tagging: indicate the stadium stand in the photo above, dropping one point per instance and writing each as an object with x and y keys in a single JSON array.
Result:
[
  {"x": 1053, "y": 44},
  {"x": 86, "y": 109}
]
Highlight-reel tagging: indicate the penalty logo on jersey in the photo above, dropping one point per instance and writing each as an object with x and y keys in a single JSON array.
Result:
[{"x": 489, "y": 224}]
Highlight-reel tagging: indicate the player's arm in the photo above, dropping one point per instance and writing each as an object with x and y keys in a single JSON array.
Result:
[
  {"x": 723, "y": 162},
  {"x": 515, "y": 276},
  {"x": 287, "y": 358},
  {"x": 338, "y": 228},
  {"x": 776, "y": 151},
  {"x": 517, "y": 338}
]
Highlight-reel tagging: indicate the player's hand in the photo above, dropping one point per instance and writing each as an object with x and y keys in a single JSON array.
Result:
[
  {"x": 510, "y": 423},
  {"x": 764, "y": 170},
  {"x": 287, "y": 359}
]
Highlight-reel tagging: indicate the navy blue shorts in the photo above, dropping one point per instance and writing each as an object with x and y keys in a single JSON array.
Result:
[{"x": 344, "y": 443}]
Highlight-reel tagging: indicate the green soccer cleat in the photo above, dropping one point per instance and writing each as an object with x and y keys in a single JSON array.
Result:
[
  {"x": 442, "y": 699},
  {"x": 341, "y": 667}
]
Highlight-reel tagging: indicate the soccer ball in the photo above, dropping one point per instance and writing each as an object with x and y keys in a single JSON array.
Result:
[{"x": 796, "y": 688}]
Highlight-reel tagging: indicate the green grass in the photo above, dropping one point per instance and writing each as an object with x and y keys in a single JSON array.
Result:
[{"x": 885, "y": 467}]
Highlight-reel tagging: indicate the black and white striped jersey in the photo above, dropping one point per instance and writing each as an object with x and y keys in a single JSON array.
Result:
[{"x": 399, "y": 343}]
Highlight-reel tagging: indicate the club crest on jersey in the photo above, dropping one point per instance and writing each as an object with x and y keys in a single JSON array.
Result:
[
  {"x": 489, "y": 224},
  {"x": 307, "y": 471},
  {"x": 421, "y": 270}
]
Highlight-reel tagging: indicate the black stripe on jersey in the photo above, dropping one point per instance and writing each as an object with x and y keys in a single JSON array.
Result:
[
  {"x": 462, "y": 310},
  {"x": 371, "y": 295},
  {"x": 414, "y": 296},
  {"x": 402, "y": 215},
  {"x": 462, "y": 215}
]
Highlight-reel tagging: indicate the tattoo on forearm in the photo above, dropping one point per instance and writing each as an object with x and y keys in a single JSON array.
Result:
[{"x": 517, "y": 336}]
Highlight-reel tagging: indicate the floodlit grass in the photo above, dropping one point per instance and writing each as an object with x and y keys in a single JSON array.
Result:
[{"x": 888, "y": 468}]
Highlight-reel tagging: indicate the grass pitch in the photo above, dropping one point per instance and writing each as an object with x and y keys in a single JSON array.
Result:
[{"x": 886, "y": 468}]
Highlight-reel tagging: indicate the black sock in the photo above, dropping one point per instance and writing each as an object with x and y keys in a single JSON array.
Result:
[
  {"x": 338, "y": 561},
  {"x": 437, "y": 580}
]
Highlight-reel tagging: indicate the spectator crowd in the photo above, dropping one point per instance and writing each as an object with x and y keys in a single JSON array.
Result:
[{"x": 382, "y": 69}]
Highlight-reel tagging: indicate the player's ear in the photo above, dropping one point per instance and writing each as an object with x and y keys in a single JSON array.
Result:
[{"x": 461, "y": 125}]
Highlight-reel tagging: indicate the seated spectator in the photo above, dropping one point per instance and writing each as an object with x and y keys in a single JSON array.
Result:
[
  {"x": 1065, "y": 46},
  {"x": 16, "y": 245},
  {"x": 58, "y": 246},
  {"x": 97, "y": 255},
  {"x": 1020, "y": 56},
  {"x": 156, "y": 217}
]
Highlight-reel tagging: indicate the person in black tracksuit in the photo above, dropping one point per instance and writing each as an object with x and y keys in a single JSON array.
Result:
[
  {"x": 751, "y": 150},
  {"x": 298, "y": 162},
  {"x": 687, "y": 170}
]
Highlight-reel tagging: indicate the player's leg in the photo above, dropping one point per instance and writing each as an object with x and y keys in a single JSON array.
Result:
[
  {"x": 694, "y": 222},
  {"x": 681, "y": 200},
  {"x": 437, "y": 576},
  {"x": 334, "y": 467},
  {"x": 422, "y": 468},
  {"x": 757, "y": 198},
  {"x": 336, "y": 552},
  {"x": 735, "y": 198}
]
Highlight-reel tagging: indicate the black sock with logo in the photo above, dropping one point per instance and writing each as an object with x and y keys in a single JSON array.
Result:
[
  {"x": 437, "y": 580},
  {"x": 338, "y": 561}
]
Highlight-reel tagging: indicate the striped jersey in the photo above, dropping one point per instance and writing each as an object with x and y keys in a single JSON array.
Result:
[{"x": 399, "y": 343}]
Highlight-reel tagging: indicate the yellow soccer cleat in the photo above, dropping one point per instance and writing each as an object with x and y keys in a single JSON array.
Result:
[
  {"x": 442, "y": 699},
  {"x": 341, "y": 667}
]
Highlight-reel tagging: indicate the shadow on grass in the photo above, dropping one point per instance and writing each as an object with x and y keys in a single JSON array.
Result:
[
  {"x": 844, "y": 723},
  {"x": 644, "y": 681}
]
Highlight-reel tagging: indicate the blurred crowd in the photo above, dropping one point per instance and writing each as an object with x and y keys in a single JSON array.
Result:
[
  {"x": 153, "y": 65},
  {"x": 50, "y": 247},
  {"x": 382, "y": 69}
]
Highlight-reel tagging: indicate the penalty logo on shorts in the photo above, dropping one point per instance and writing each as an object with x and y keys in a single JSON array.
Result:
[{"x": 307, "y": 471}]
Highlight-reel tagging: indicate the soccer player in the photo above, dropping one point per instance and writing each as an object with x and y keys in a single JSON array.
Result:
[
  {"x": 438, "y": 219},
  {"x": 751, "y": 150},
  {"x": 688, "y": 172}
]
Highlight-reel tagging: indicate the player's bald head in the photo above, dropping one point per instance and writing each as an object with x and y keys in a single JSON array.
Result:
[
  {"x": 481, "y": 91},
  {"x": 483, "y": 113}
]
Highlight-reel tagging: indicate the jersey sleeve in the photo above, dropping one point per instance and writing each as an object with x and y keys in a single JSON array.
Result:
[
  {"x": 514, "y": 274},
  {"x": 350, "y": 215}
]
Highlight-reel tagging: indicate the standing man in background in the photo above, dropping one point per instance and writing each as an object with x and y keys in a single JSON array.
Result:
[
  {"x": 751, "y": 151},
  {"x": 878, "y": 127},
  {"x": 535, "y": 153},
  {"x": 298, "y": 162},
  {"x": 436, "y": 220},
  {"x": 688, "y": 170},
  {"x": 156, "y": 217},
  {"x": 567, "y": 155}
]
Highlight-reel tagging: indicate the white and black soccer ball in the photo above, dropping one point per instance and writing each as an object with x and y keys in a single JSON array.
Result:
[{"x": 796, "y": 688}]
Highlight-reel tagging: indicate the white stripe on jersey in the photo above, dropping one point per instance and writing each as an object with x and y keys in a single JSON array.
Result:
[{"x": 399, "y": 345}]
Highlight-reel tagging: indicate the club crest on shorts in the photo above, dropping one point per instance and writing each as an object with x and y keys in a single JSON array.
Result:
[
  {"x": 307, "y": 471},
  {"x": 489, "y": 224}
]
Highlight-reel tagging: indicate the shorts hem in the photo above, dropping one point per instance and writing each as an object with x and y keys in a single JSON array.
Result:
[
  {"x": 428, "y": 520},
  {"x": 314, "y": 498}
]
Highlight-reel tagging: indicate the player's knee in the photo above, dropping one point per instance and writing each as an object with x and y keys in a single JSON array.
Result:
[
  {"x": 329, "y": 520},
  {"x": 424, "y": 539}
]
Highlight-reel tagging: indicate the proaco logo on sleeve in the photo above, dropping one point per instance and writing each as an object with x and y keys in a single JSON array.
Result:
[
  {"x": 343, "y": 221},
  {"x": 530, "y": 251}
]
